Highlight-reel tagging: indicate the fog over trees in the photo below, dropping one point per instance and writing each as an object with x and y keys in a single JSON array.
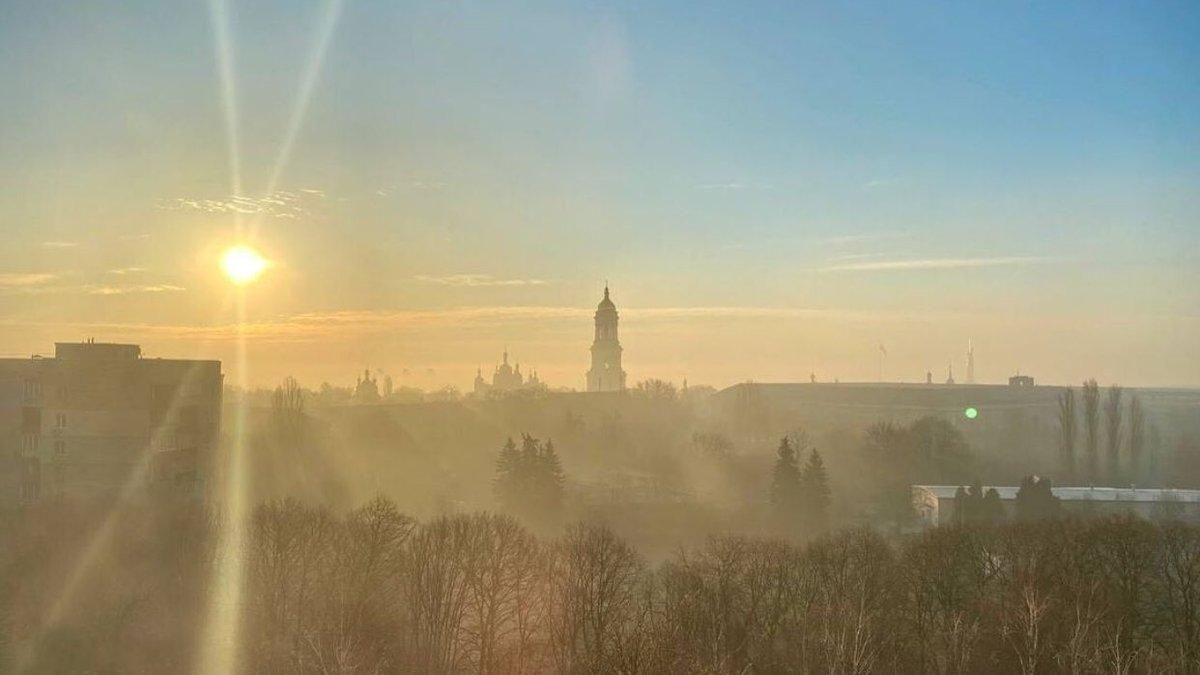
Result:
[{"x": 664, "y": 530}]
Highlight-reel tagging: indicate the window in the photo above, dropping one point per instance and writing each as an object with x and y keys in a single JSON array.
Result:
[
  {"x": 29, "y": 443},
  {"x": 60, "y": 448},
  {"x": 60, "y": 421},
  {"x": 33, "y": 387}
]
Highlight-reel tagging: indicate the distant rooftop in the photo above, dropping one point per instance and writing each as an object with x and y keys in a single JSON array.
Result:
[{"x": 96, "y": 350}]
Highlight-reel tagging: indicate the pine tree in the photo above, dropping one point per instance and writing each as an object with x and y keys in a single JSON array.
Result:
[
  {"x": 786, "y": 489},
  {"x": 1036, "y": 499},
  {"x": 549, "y": 480},
  {"x": 507, "y": 485},
  {"x": 530, "y": 481},
  {"x": 815, "y": 491}
]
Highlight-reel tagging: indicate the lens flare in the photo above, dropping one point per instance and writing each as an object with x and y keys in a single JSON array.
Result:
[
  {"x": 242, "y": 264},
  {"x": 971, "y": 413}
]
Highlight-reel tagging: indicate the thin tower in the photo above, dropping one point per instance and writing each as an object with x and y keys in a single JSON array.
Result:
[
  {"x": 970, "y": 363},
  {"x": 606, "y": 373}
]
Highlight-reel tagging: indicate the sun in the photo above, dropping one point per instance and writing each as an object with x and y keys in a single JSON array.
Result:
[{"x": 242, "y": 264}]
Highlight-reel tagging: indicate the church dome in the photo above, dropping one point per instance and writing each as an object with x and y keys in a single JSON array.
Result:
[{"x": 607, "y": 302}]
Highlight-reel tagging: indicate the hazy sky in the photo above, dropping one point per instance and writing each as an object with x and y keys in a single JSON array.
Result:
[{"x": 769, "y": 188}]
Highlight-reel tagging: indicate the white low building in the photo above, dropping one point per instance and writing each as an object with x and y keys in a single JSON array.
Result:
[{"x": 936, "y": 504}]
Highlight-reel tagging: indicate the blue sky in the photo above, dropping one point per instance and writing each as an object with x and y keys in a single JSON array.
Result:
[{"x": 1004, "y": 168}]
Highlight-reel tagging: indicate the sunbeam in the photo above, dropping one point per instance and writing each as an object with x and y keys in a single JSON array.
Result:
[
  {"x": 223, "y": 51},
  {"x": 219, "y": 649},
  {"x": 308, "y": 82}
]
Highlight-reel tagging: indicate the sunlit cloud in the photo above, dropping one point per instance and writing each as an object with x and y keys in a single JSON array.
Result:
[
  {"x": 121, "y": 271},
  {"x": 278, "y": 204},
  {"x": 319, "y": 326},
  {"x": 26, "y": 280},
  {"x": 127, "y": 290},
  {"x": 936, "y": 264},
  {"x": 474, "y": 280},
  {"x": 60, "y": 244}
]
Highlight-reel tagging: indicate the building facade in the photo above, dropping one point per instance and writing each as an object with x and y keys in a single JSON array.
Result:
[
  {"x": 95, "y": 416},
  {"x": 606, "y": 373}
]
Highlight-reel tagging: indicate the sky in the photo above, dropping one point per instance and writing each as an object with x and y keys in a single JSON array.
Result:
[{"x": 770, "y": 189}]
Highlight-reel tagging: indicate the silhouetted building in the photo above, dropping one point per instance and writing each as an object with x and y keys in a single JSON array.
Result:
[
  {"x": 97, "y": 416},
  {"x": 505, "y": 378},
  {"x": 366, "y": 388},
  {"x": 606, "y": 373},
  {"x": 1020, "y": 381}
]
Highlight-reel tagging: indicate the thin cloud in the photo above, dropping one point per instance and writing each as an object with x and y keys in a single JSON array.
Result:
[
  {"x": 476, "y": 280},
  {"x": 863, "y": 237},
  {"x": 734, "y": 185},
  {"x": 60, "y": 244},
  {"x": 128, "y": 290},
  {"x": 121, "y": 271},
  {"x": 26, "y": 280},
  {"x": 936, "y": 264},
  {"x": 322, "y": 326},
  {"x": 278, "y": 204}
]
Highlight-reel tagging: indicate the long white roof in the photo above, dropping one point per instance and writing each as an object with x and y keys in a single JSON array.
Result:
[{"x": 1079, "y": 494}]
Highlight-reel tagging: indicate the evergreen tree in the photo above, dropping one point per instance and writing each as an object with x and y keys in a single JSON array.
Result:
[
  {"x": 550, "y": 480},
  {"x": 507, "y": 484},
  {"x": 973, "y": 505},
  {"x": 1036, "y": 500},
  {"x": 530, "y": 481},
  {"x": 786, "y": 488},
  {"x": 815, "y": 491}
]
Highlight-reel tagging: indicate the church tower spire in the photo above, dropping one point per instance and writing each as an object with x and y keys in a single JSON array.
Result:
[{"x": 606, "y": 373}]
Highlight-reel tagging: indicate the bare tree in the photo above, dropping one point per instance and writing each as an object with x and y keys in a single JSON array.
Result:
[
  {"x": 1137, "y": 439},
  {"x": 1067, "y": 426},
  {"x": 594, "y": 600},
  {"x": 1091, "y": 428},
  {"x": 1112, "y": 427}
]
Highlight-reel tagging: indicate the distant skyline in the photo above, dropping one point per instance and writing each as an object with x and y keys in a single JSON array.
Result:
[{"x": 770, "y": 190}]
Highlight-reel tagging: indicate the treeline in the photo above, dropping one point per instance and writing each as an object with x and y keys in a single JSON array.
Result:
[
  {"x": 378, "y": 592},
  {"x": 375, "y": 591},
  {"x": 1115, "y": 447}
]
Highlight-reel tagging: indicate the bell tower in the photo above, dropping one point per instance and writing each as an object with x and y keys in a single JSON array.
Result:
[{"x": 606, "y": 373}]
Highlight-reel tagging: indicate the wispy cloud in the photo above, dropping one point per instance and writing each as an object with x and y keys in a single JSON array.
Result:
[
  {"x": 60, "y": 244},
  {"x": 936, "y": 264},
  {"x": 128, "y": 290},
  {"x": 734, "y": 185},
  {"x": 26, "y": 279},
  {"x": 412, "y": 185},
  {"x": 322, "y": 326},
  {"x": 278, "y": 204},
  {"x": 476, "y": 280},
  {"x": 864, "y": 237},
  {"x": 122, "y": 271},
  {"x": 44, "y": 283}
]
